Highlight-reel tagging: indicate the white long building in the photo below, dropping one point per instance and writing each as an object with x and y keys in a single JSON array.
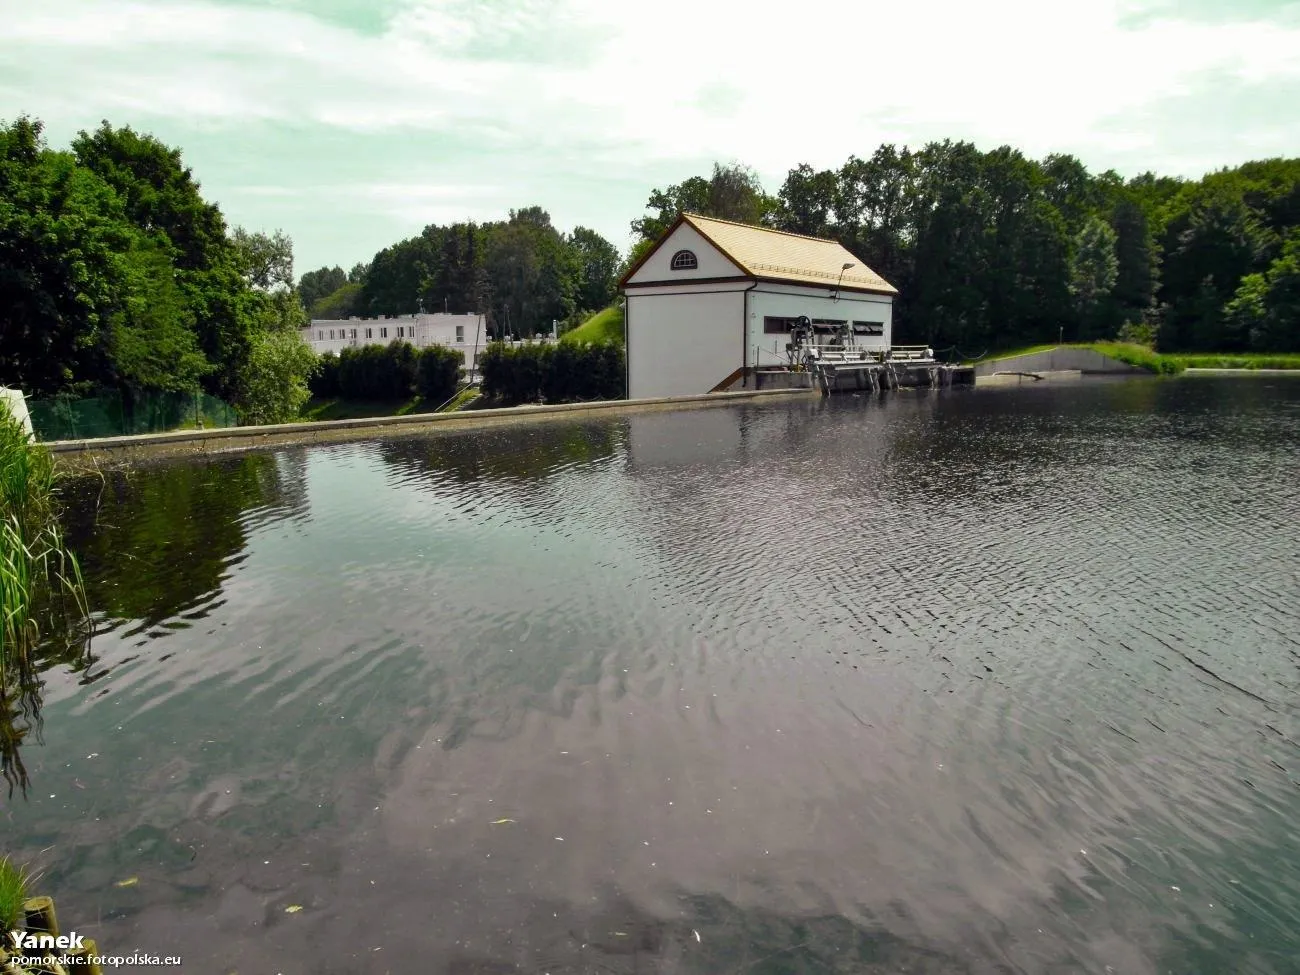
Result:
[{"x": 466, "y": 333}]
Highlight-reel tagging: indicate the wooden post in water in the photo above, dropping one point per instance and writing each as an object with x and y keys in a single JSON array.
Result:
[
  {"x": 40, "y": 916},
  {"x": 83, "y": 965}
]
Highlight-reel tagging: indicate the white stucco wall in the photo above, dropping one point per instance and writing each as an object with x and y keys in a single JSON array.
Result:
[
  {"x": 683, "y": 343},
  {"x": 659, "y": 266},
  {"x": 790, "y": 301}
]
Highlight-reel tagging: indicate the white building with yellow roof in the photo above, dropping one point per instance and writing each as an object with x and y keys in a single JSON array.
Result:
[{"x": 714, "y": 300}]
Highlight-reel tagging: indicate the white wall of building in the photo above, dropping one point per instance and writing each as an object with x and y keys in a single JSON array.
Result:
[
  {"x": 712, "y": 264},
  {"x": 682, "y": 343},
  {"x": 791, "y": 301}
]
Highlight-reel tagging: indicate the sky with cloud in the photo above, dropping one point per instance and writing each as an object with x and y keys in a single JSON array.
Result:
[{"x": 353, "y": 123}]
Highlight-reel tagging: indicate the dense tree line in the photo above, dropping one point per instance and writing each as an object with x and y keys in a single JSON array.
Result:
[
  {"x": 992, "y": 249},
  {"x": 522, "y": 273},
  {"x": 116, "y": 274}
]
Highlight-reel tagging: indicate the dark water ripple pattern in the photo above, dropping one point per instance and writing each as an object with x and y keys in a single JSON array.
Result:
[{"x": 993, "y": 680}]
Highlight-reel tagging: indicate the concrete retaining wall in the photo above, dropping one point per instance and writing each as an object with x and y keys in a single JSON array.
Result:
[
  {"x": 1056, "y": 360},
  {"x": 91, "y": 453},
  {"x": 16, "y": 403}
]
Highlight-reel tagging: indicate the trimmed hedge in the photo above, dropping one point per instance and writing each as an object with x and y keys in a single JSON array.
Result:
[
  {"x": 440, "y": 369},
  {"x": 324, "y": 382},
  {"x": 552, "y": 373},
  {"x": 397, "y": 371}
]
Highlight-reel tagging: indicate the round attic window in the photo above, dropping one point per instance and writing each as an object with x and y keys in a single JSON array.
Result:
[{"x": 685, "y": 261}]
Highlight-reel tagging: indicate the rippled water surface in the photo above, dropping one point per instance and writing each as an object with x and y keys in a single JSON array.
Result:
[{"x": 965, "y": 681}]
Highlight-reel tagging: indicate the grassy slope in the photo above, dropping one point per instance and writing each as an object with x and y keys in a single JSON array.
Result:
[
  {"x": 360, "y": 409},
  {"x": 348, "y": 409},
  {"x": 1140, "y": 355},
  {"x": 604, "y": 326}
]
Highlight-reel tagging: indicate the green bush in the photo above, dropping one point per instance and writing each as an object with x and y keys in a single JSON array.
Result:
[
  {"x": 554, "y": 373},
  {"x": 274, "y": 386},
  {"x": 439, "y": 373}
]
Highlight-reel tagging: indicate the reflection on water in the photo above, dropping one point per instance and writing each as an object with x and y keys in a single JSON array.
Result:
[{"x": 962, "y": 680}]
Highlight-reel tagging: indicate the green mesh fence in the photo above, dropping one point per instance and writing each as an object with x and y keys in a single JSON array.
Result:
[{"x": 61, "y": 418}]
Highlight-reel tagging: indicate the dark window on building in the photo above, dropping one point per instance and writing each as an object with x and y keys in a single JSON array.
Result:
[
  {"x": 777, "y": 326},
  {"x": 823, "y": 323},
  {"x": 868, "y": 328},
  {"x": 685, "y": 261}
]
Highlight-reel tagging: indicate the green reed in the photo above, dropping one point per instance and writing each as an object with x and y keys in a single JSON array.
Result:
[
  {"x": 13, "y": 892},
  {"x": 40, "y": 580}
]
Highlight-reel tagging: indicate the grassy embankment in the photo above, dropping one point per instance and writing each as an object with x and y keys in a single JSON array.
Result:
[
  {"x": 604, "y": 326},
  {"x": 349, "y": 409},
  {"x": 1166, "y": 363}
]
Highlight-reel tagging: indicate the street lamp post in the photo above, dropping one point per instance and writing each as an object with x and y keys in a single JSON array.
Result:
[{"x": 836, "y": 296}]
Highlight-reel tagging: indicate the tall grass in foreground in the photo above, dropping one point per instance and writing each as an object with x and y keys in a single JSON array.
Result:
[
  {"x": 13, "y": 892},
  {"x": 37, "y": 572},
  {"x": 41, "y": 589}
]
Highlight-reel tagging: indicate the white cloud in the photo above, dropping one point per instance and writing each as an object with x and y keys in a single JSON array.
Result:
[
  {"x": 527, "y": 90},
  {"x": 836, "y": 77}
]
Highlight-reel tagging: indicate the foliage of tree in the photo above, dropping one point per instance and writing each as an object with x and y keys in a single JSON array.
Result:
[
  {"x": 63, "y": 234},
  {"x": 1266, "y": 307},
  {"x": 598, "y": 262},
  {"x": 344, "y": 302},
  {"x": 1094, "y": 268},
  {"x": 732, "y": 193},
  {"x": 522, "y": 273},
  {"x": 151, "y": 342},
  {"x": 992, "y": 249},
  {"x": 315, "y": 285},
  {"x": 116, "y": 275},
  {"x": 275, "y": 387}
]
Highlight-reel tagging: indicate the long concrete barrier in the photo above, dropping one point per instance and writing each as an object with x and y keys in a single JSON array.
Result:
[
  {"x": 91, "y": 452},
  {"x": 1061, "y": 359}
]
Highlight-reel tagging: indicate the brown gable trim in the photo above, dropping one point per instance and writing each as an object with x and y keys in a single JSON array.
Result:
[
  {"x": 730, "y": 380},
  {"x": 689, "y": 218},
  {"x": 683, "y": 282},
  {"x": 622, "y": 282}
]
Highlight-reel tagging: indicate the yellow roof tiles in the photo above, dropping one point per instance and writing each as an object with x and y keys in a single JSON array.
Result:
[{"x": 777, "y": 255}]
